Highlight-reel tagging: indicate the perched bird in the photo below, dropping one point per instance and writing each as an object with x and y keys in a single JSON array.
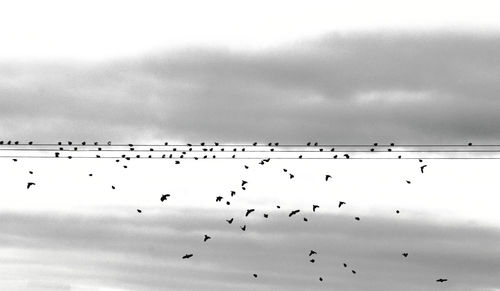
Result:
[
  {"x": 187, "y": 256},
  {"x": 470, "y": 144},
  {"x": 206, "y": 238},
  {"x": 244, "y": 227},
  {"x": 312, "y": 252},
  {"x": 441, "y": 280},
  {"x": 30, "y": 184},
  {"x": 327, "y": 177},
  {"x": 346, "y": 156},
  {"x": 293, "y": 212},
  {"x": 230, "y": 220},
  {"x": 255, "y": 143},
  {"x": 218, "y": 198},
  {"x": 314, "y": 207},
  {"x": 405, "y": 255},
  {"x": 164, "y": 197},
  {"x": 138, "y": 210},
  {"x": 422, "y": 168},
  {"x": 341, "y": 203},
  {"x": 249, "y": 211}
]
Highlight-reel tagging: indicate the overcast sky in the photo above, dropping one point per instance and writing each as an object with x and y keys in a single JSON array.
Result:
[{"x": 235, "y": 72}]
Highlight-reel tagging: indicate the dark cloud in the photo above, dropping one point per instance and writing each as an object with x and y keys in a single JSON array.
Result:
[
  {"x": 406, "y": 88},
  {"x": 143, "y": 252}
]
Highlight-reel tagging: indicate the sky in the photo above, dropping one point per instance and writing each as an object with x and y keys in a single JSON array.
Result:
[{"x": 235, "y": 72}]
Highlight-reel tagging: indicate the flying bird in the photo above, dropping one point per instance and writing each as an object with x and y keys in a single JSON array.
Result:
[
  {"x": 218, "y": 198},
  {"x": 293, "y": 212},
  {"x": 244, "y": 227},
  {"x": 312, "y": 260},
  {"x": 312, "y": 252},
  {"x": 441, "y": 280},
  {"x": 266, "y": 215},
  {"x": 405, "y": 255},
  {"x": 230, "y": 220},
  {"x": 354, "y": 272},
  {"x": 30, "y": 184},
  {"x": 31, "y": 172},
  {"x": 305, "y": 219},
  {"x": 233, "y": 193},
  {"x": 341, "y": 203},
  {"x": 291, "y": 176},
  {"x": 187, "y": 256},
  {"x": 314, "y": 207},
  {"x": 327, "y": 177},
  {"x": 243, "y": 182},
  {"x": 422, "y": 168},
  {"x": 164, "y": 197},
  {"x": 249, "y": 211},
  {"x": 113, "y": 187},
  {"x": 206, "y": 238}
]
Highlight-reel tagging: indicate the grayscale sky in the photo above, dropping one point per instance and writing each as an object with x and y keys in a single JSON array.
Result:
[{"x": 409, "y": 72}]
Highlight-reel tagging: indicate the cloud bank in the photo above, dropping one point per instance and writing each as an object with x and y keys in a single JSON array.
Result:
[{"x": 405, "y": 88}]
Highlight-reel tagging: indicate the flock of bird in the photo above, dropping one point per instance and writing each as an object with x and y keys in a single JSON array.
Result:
[{"x": 328, "y": 178}]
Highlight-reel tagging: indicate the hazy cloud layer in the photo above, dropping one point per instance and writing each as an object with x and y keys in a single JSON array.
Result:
[
  {"x": 143, "y": 252},
  {"x": 386, "y": 87}
]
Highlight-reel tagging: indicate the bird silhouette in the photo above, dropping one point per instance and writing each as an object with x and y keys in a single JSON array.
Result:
[
  {"x": 249, "y": 211},
  {"x": 228, "y": 203},
  {"x": 90, "y": 175},
  {"x": 31, "y": 172},
  {"x": 113, "y": 187},
  {"x": 138, "y": 210},
  {"x": 404, "y": 255},
  {"x": 177, "y": 162},
  {"x": 345, "y": 265},
  {"x": 164, "y": 197},
  {"x": 218, "y": 198},
  {"x": 470, "y": 144},
  {"x": 15, "y": 160},
  {"x": 266, "y": 215},
  {"x": 291, "y": 176},
  {"x": 341, "y": 203},
  {"x": 285, "y": 170},
  {"x": 346, "y": 156},
  {"x": 327, "y": 177},
  {"x": 441, "y": 280},
  {"x": 314, "y": 207},
  {"x": 357, "y": 218},
  {"x": 422, "y": 168},
  {"x": 312, "y": 260},
  {"x": 243, "y": 182},
  {"x": 187, "y": 256},
  {"x": 255, "y": 143},
  {"x": 246, "y": 167},
  {"x": 233, "y": 193},
  {"x": 244, "y": 227},
  {"x": 354, "y": 272},
  {"x": 408, "y": 182},
  {"x": 30, "y": 184},
  {"x": 293, "y": 212},
  {"x": 230, "y": 220},
  {"x": 397, "y": 211},
  {"x": 305, "y": 219},
  {"x": 312, "y": 252},
  {"x": 321, "y": 279},
  {"x": 206, "y": 238},
  {"x": 255, "y": 275}
]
